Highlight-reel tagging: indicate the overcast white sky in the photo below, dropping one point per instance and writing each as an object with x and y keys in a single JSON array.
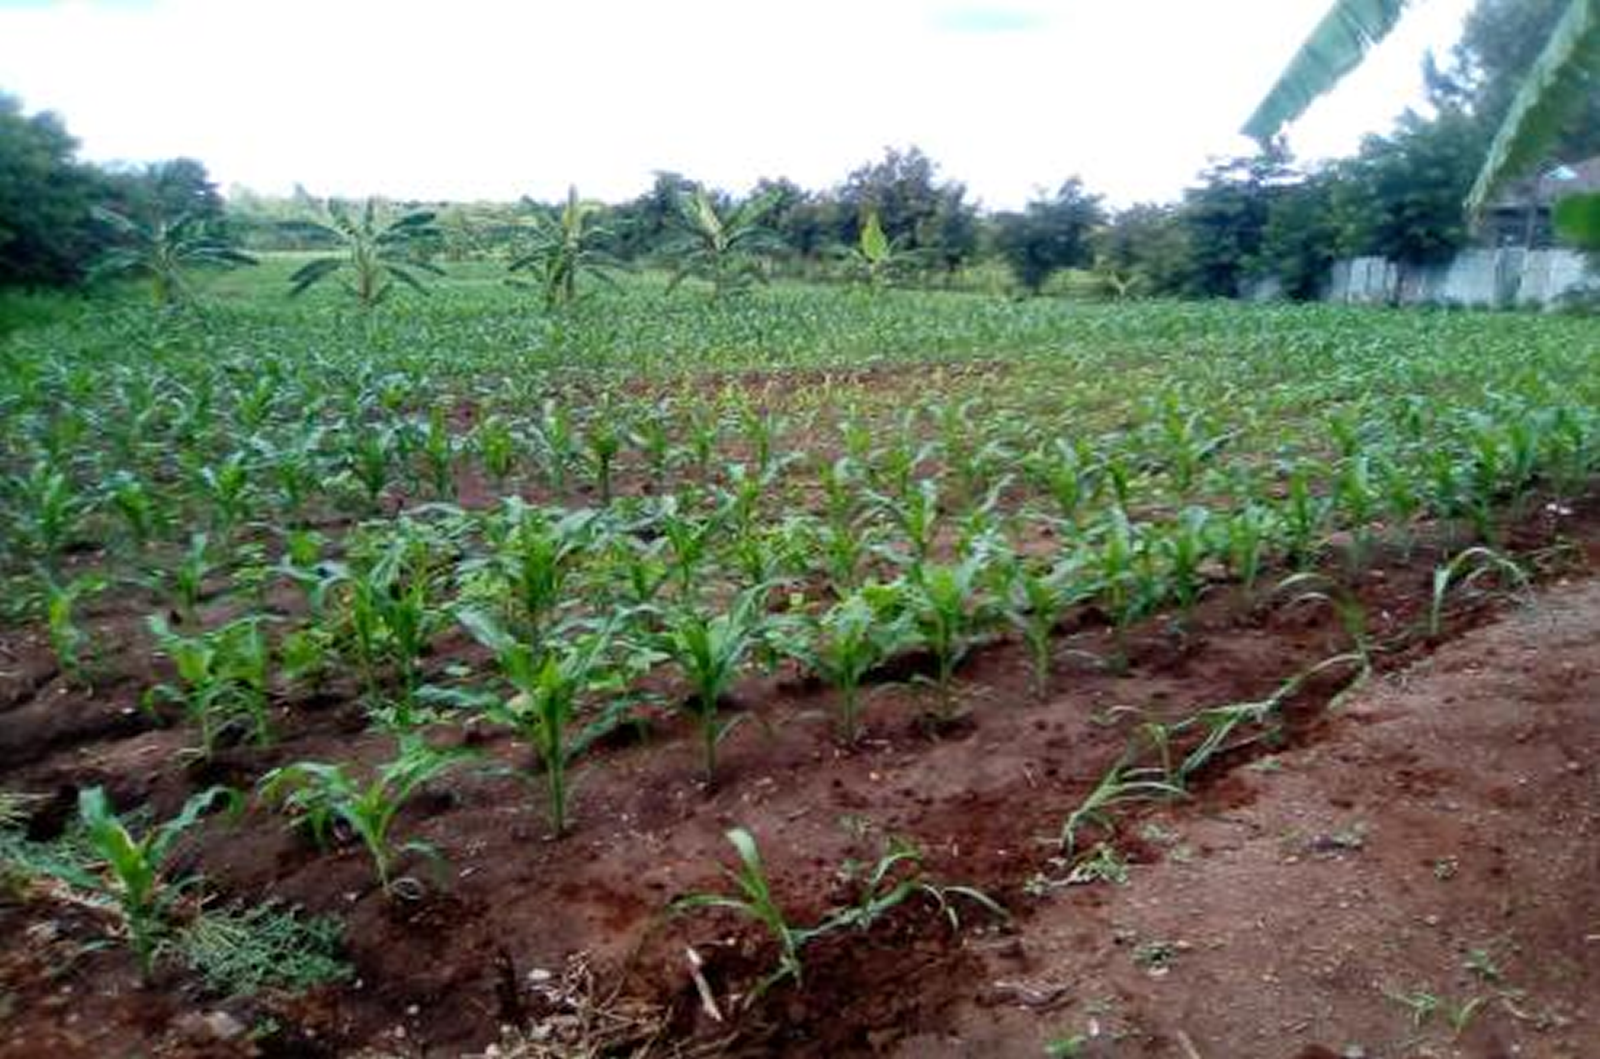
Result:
[{"x": 487, "y": 99}]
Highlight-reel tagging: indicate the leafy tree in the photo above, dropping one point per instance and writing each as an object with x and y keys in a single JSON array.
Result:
[
  {"x": 917, "y": 211},
  {"x": 1402, "y": 196},
  {"x": 650, "y": 221},
  {"x": 803, "y": 220},
  {"x": 1050, "y": 234},
  {"x": 164, "y": 252},
  {"x": 1143, "y": 250},
  {"x": 1225, "y": 219},
  {"x": 1302, "y": 235},
  {"x": 722, "y": 246},
  {"x": 48, "y": 235},
  {"x": 377, "y": 252},
  {"x": 566, "y": 245},
  {"x": 177, "y": 187},
  {"x": 1500, "y": 42}
]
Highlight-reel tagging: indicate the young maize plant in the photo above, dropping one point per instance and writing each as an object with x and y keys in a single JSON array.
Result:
[
  {"x": 496, "y": 447},
  {"x": 710, "y": 653},
  {"x": 704, "y": 433},
  {"x": 370, "y": 458},
  {"x": 389, "y": 614},
  {"x": 916, "y": 515},
  {"x": 1064, "y": 472},
  {"x": 760, "y": 430},
  {"x": 652, "y": 438},
  {"x": 844, "y": 644},
  {"x": 532, "y": 561},
  {"x": 142, "y": 516},
  {"x": 550, "y": 684},
  {"x": 47, "y": 509},
  {"x": 1122, "y": 785},
  {"x": 558, "y": 444},
  {"x": 68, "y": 640},
  {"x": 1247, "y": 537},
  {"x": 1185, "y": 442},
  {"x": 294, "y": 468},
  {"x": 688, "y": 539},
  {"x": 1311, "y": 588},
  {"x": 1125, "y": 579},
  {"x": 949, "y": 605},
  {"x": 226, "y": 488},
  {"x": 1465, "y": 570},
  {"x": 1037, "y": 599},
  {"x": 896, "y": 878},
  {"x": 320, "y": 796},
  {"x": 439, "y": 451},
  {"x": 301, "y": 563},
  {"x": 222, "y": 680},
  {"x": 133, "y": 874},
  {"x": 739, "y": 501},
  {"x": 1357, "y": 501},
  {"x": 1304, "y": 516},
  {"x": 603, "y": 443},
  {"x": 1185, "y": 547},
  {"x": 754, "y": 900}
]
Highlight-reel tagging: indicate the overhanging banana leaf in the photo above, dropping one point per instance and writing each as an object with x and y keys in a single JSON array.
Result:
[
  {"x": 1337, "y": 46},
  {"x": 1567, "y": 69}
]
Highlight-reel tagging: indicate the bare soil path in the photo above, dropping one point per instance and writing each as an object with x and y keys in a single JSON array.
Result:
[{"x": 1424, "y": 881}]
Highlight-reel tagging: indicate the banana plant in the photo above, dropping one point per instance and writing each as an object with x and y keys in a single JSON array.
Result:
[
  {"x": 320, "y": 796},
  {"x": 164, "y": 251},
  {"x": 876, "y": 259},
  {"x": 1556, "y": 79},
  {"x": 724, "y": 249},
  {"x": 376, "y": 252},
  {"x": 564, "y": 246},
  {"x": 135, "y": 869}
]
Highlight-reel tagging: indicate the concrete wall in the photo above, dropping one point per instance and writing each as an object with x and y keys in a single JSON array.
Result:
[{"x": 1489, "y": 278}]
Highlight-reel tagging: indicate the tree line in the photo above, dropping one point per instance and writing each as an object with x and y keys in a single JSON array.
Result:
[{"x": 895, "y": 219}]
